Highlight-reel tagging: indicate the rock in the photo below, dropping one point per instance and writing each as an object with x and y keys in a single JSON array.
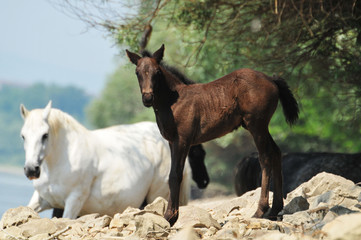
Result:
[
  {"x": 237, "y": 224},
  {"x": 345, "y": 227},
  {"x": 330, "y": 216},
  {"x": 151, "y": 225},
  {"x": 100, "y": 222},
  {"x": 88, "y": 217},
  {"x": 121, "y": 220},
  {"x": 282, "y": 236},
  {"x": 323, "y": 198},
  {"x": 340, "y": 210},
  {"x": 18, "y": 216},
  {"x": 159, "y": 206},
  {"x": 207, "y": 233},
  {"x": 38, "y": 226},
  {"x": 245, "y": 205},
  {"x": 41, "y": 236},
  {"x": 295, "y": 205},
  {"x": 298, "y": 218},
  {"x": 195, "y": 217},
  {"x": 333, "y": 215},
  {"x": 228, "y": 233},
  {"x": 10, "y": 233},
  {"x": 62, "y": 223},
  {"x": 187, "y": 233},
  {"x": 325, "y": 182},
  {"x": 76, "y": 230}
]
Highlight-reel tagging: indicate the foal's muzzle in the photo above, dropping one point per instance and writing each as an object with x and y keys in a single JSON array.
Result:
[
  {"x": 147, "y": 99},
  {"x": 32, "y": 172}
]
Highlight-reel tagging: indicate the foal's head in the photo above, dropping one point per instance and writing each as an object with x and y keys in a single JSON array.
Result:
[
  {"x": 148, "y": 72},
  {"x": 35, "y": 133}
]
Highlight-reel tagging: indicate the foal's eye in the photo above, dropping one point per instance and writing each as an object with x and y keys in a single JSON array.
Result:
[{"x": 45, "y": 137}]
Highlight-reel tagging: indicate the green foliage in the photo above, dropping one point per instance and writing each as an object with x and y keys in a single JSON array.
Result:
[
  {"x": 69, "y": 99},
  {"x": 120, "y": 102},
  {"x": 314, "y": 45}
]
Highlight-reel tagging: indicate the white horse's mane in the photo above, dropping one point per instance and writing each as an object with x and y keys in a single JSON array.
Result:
[{"x": 59, "y": 119}]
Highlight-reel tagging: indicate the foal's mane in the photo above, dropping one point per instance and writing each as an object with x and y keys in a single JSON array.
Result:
[{"x": 173, "y": 70}]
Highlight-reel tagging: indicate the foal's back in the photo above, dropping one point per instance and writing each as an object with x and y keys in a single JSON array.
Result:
[
  {"x": 243, "y": 84},
  {"x": 224, "y": 104}
]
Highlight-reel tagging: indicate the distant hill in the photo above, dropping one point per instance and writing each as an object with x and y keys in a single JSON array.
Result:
[{"x": 69, "y": 99}]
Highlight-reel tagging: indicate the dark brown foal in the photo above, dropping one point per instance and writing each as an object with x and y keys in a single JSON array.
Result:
[{"x": 192, "y": 114}]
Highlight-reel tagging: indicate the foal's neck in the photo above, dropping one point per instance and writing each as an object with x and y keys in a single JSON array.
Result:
[
  {"x": 171, "y": 80},
  {"x": 166, "y": 93}
]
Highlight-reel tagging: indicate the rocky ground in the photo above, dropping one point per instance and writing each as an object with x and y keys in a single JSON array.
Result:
[{"x": 326, "y": 207}]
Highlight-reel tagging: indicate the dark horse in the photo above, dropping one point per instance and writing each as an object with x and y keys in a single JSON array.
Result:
[
  {"x": 297, "y": 169},
  {"x": 192, "y": 114}
]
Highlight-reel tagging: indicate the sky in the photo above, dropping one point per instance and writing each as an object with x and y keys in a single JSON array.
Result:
[{"x": 39, "y": 43}]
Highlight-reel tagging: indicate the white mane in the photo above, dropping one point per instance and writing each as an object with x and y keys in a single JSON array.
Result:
[{"x": 58, "y": 119}]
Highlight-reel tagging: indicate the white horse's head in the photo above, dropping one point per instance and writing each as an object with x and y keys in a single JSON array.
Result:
[{"x": 35, "y": 133}]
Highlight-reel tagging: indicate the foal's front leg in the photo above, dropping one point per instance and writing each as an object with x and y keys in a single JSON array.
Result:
[{"x": 179, "y": 152}]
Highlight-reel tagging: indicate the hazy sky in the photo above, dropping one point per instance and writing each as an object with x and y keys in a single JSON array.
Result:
[{"x": 41, "y": 44}]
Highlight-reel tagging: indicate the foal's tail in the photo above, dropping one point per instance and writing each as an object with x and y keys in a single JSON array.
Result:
[{"x": 288, "y": 101}]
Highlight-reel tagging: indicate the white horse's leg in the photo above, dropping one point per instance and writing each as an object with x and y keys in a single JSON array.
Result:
[
  {"x": 74, "y": 203},
  {"x": 37, "y": 203}
]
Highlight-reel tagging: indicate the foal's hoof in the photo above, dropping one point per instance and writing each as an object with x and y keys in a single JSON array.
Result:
[
  {"x": 269, "y": 214},
  {"x": 261, "y": 213},
  {"x": 273, "y": 215},
  {"x": 171, "y": 217}
]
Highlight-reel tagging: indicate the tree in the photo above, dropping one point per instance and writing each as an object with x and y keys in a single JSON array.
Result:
[
  {"x": 120, "y": 102},
  {"x": 315, "y": 45}
]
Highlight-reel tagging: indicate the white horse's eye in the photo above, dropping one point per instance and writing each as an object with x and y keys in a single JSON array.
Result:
[
  {"x": 22, "y": 136},
  {"x": 45, "y": 137}
]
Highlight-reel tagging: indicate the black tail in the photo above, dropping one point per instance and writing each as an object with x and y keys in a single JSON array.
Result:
[{"x": 288, "y": 101}]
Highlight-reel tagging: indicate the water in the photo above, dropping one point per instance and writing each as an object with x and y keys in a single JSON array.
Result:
[{"x": 15, "y": 190}]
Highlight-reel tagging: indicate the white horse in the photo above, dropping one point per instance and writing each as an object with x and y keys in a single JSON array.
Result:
[{"x": 102, "y": 171}]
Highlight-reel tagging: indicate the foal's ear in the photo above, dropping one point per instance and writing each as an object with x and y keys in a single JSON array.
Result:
[
  {"x": 23, "y": 111},
  {"x": 133, "y": 57},
  {"x": 158, "y": 55},
  {"x": 46, "y": 111}
]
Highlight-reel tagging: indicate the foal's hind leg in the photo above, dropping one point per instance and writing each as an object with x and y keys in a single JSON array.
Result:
[
  {"x": 277, "y": 203},
  {"x": 199, "y": 171},
  {"x": 270, "y": 160}
]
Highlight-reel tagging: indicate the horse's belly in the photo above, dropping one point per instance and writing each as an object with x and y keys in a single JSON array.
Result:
[
  {"x": 110, "y": 197},
  {"x": 211, "y": 130}
]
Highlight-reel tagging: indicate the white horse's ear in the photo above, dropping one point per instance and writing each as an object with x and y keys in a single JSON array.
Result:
[
  {"x": 46, "y": 111},
  {"x": 23, "y": 111}
]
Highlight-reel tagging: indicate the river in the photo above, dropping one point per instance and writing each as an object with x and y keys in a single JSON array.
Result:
[{"x": 15, "y": 190}]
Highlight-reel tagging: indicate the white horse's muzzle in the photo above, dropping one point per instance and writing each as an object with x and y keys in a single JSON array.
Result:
[{"x": 32, "y": 172}]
